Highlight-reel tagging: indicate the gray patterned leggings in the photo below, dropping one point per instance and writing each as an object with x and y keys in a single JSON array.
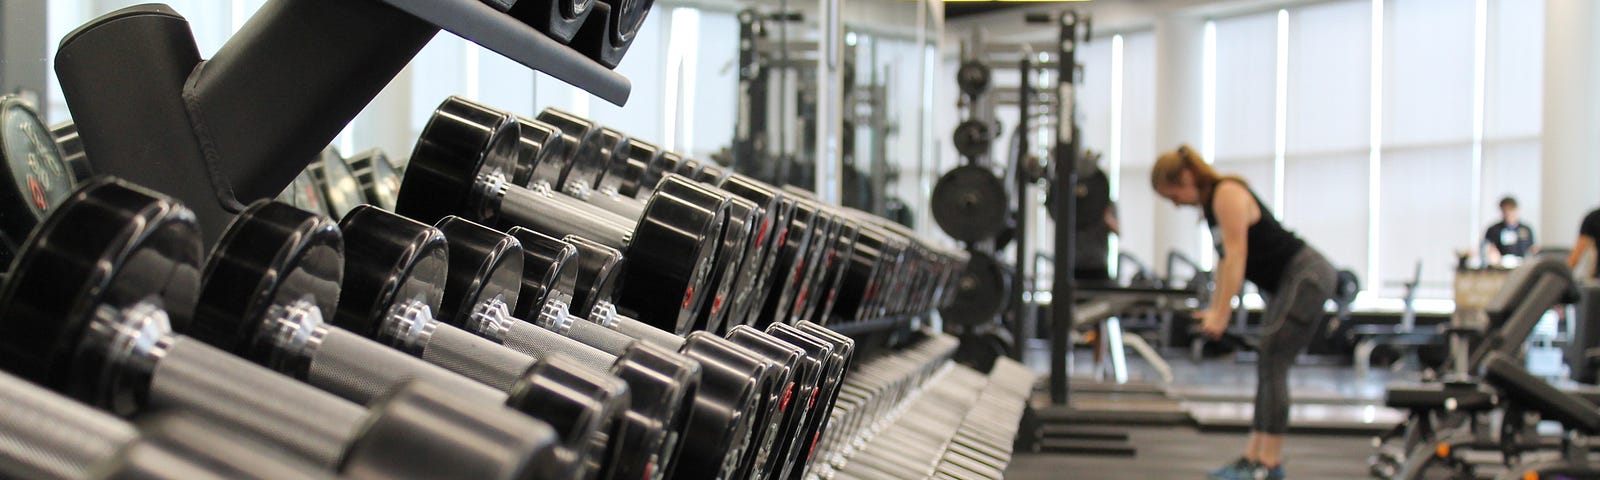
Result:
[{"x": 1290, "y": 318}]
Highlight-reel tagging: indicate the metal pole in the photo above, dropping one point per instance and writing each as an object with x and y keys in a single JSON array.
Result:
[
  {"x": 1019, "y": 284},
  {"x": 1063, "y": 294}
]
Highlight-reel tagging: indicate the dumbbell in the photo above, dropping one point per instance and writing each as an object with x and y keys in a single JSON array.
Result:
[
  {"x": 274, "y": 277},
  {"x": 337, "y": 182},
  {"x": 593, "y": 173},
  {"x": 735, "y": 381},
  {"x": 71, "y": 145},
  {"x": 824, "y": 237},
  {"x": 87, "y": 312},
  {"x": 839, "y": 360},
  {"x": 773, "y": 231},
  {"x": 859, "y": 284},
  {"x": 558, "y": 19},
  {"x": 549, "y": 260},
  {"x": 44, "y": 435},
  {"x": 772, "y": 211},
  {"x": 825, "y": 287},
  {"x": 480, "y": 292},
  {"x": 397, "y": 272},
  {"x": 376, "y": 176},
  {"x": 303, "y": 193},
  {"x": 460, "y": 166},
  {"x": 470, "y": 242},
  {"x": 608, "y": 32}
]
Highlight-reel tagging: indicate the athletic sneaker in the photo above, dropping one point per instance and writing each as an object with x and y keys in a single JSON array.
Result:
[
  {"x": 1241, "y": 469},
  {"x": 1274, "y": 473}
]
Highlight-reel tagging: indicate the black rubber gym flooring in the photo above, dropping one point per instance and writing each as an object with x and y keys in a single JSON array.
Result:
[{"x": 1184, "y": 453}]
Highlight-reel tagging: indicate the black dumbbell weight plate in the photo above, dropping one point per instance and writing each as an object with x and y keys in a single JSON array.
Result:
[
  {"x": 379, "y": 180},
  {"x": 39, "y": 177},
  {"x": 560, "y": 19},
  {"x": 463, "y": 145},
  {"x": 338, "y": 183},
  {"x": 970, "y": 204},
  {"x": 110, "y": 244},
  {"x": 272, "y": 255},
  {"x": 973, "y": 138},
  {"x": 981, "y": 292}
]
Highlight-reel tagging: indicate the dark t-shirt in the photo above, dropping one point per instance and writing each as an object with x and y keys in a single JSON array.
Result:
[
  {"x": 1510, "y": 240},
  {"x": 1094, "y": 237},
  {"x": 1591, "y": 229}
]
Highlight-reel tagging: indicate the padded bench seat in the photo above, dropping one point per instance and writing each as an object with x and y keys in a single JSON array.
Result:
[{"x": 1423, "y": 396}]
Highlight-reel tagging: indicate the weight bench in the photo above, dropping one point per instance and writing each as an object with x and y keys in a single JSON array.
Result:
[
  {"x": 1405, "y": 335},
  {"x": 1575, "y": 414},
  {"x": 1513, "y": 312}
]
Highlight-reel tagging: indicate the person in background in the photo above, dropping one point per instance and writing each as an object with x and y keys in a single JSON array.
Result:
[
  {"x": 1588, "y": 233},
  {"x": 1508, "y": 239},
  {"x": 1096, "y": 222},
  {"x": 1292, "y": 276}
]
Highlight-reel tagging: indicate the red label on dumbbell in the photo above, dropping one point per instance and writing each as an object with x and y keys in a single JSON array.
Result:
[
  {"x": 716, "y": 305},
  {"x": 761, "y": 235},
  {"x": 787, "y": 393},
  {"x": 688, "y": 295}
]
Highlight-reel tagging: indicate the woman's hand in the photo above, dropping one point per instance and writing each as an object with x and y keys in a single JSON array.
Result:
[{"x": 1213, "y": 322}]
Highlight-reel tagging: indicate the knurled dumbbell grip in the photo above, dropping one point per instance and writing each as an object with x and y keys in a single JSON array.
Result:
[
  {"x": 602, "y": 338},
  {"x": 476, "y": 357},
  {"x": 649, "y": 333},
  {"x": 540, "y": 343},
  {"x": 361, "y": 370},
  {"x": 46, "y": 435},
  {"x": 231, "y": 391}
]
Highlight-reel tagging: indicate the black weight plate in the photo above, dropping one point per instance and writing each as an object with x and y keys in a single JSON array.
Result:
[
  {"x": 558, "y": 19},
  {"x": 37, "y": 176},
  {"x": 542, "y": 152},
  {"x": 71, "y": 145},
  {"x": 108, "y": 244},
  {"x": 463, "y": 144},
  {"x": 485, "y": 266},
  {"x": 304, "y": 194},
  {"x": 584, "y": 160},
  {"x": 547, "y": 263},
  {"x": 272, "y": 255},
  {"x": 973, "y": 138},
  {"x": 599, "y": 270},
  {"x": 970, "y": 204},
  {"x": 973, "y": 77},
  {"x": 388, "y": 259},
  {"x": 980, "y": 293},
  {"x": 338, "y": 183},
  {"x": 377, "y": 176}
]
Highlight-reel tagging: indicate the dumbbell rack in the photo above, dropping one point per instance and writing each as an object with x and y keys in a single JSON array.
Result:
[{"x": 926, "y": 417}]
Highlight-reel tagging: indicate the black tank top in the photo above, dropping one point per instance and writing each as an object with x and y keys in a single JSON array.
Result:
[{"x": 1271, "y": 246}]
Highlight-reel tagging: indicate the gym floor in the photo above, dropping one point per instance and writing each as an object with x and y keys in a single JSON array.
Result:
[
  {"x": 1222, "y": 386},
  {"x": 1185, "y": 453}
]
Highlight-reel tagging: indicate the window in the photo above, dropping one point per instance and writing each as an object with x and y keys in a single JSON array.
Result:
[
  {"x": 1328, "y": 121},
  {"x": 1246, "y": 110}
]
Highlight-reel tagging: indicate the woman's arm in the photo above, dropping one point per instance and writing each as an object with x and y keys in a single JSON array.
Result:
[
  {"x": 1585, "y": 244},
  {"x": 1236, "y": 211}
]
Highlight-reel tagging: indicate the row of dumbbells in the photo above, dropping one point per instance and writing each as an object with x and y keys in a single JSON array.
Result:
[
  {"x": 735, "y": 422},
  {"x": 958, "y": 424},
  {"x": 705, "y": 248},
  {"x": 379, "y": 347},
  {"x": 876, "y": 391}
]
